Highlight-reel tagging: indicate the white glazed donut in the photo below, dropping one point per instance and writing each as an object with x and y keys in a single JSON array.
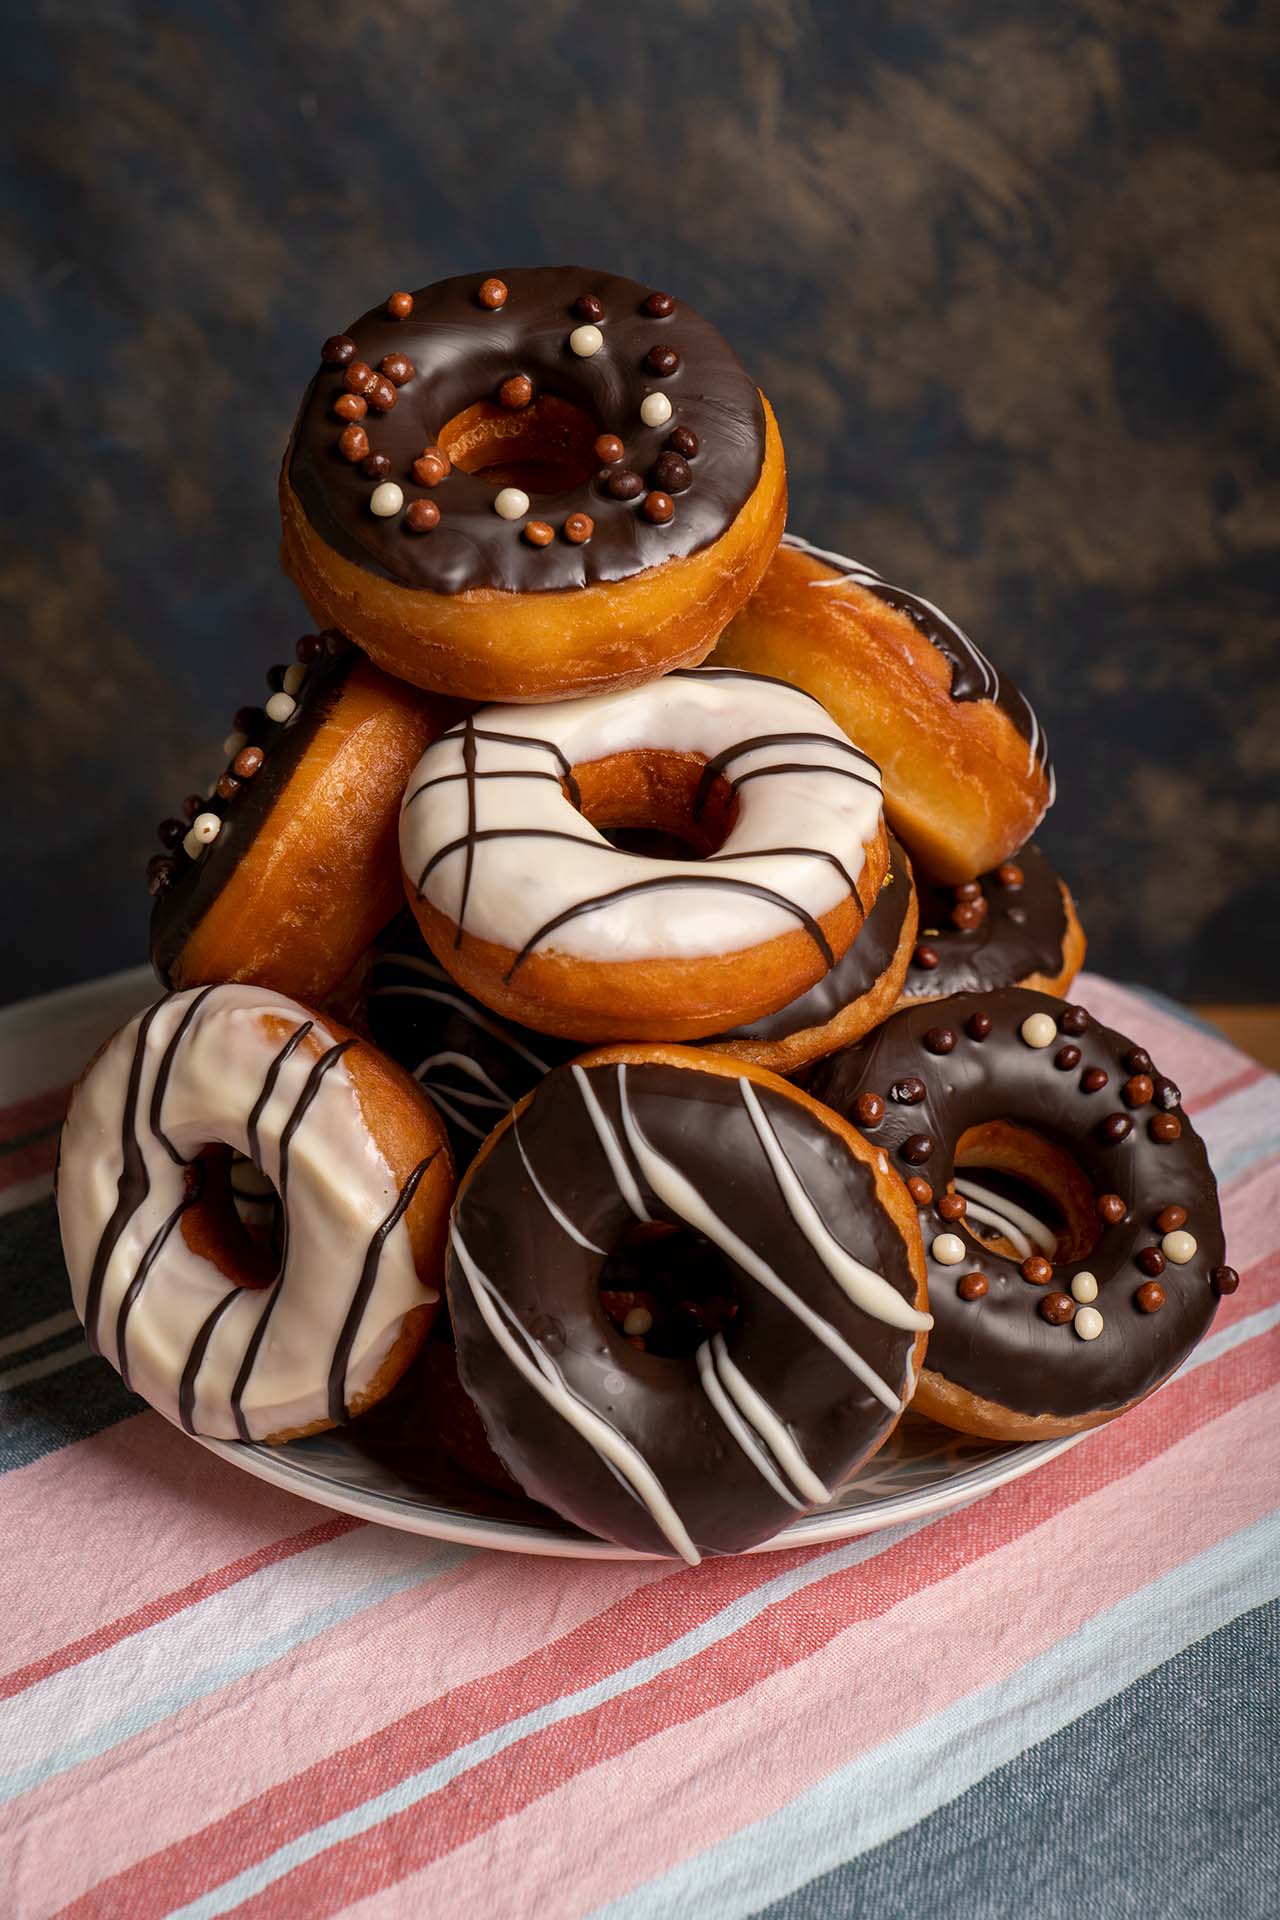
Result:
[
  {"x": 529, "y": 905},
  {"x": 167, "y": 1288}
]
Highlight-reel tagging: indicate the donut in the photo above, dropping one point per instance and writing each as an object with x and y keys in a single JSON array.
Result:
[
  {"x": 528, "y": 905},
  {"x": 221, "y": 1337},
  {"x": 286, "y": 871},
  {"x": 715, "y": 1451},
  {"x": 1014, "y": 927},
  {"x": 530, "y": 487},
  {"x": 966, "y": 766},
  {"x": 1053, "y": 1342}
]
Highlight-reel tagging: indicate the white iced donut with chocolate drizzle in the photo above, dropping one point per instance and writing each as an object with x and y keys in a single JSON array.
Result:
[
  {"x": 196, "y": 1316},
  {"x": 780, "y": 851}
]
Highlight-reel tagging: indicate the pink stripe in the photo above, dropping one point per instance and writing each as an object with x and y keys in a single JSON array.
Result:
[
  {"x": 166, "y": 1605},
  {"x": 433, "y": 1643},
  {"x": 494, "y": 1791},
  {"x": 682, "y": 1785},
  {"x": 144, "y": 1509}
]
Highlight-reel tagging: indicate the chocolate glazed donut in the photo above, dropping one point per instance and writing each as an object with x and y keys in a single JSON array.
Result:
[
  {"x": 1021, "y": 1350},
  {"x": 1013, "y": 927},
  {"x": 714, "y": 1453}
]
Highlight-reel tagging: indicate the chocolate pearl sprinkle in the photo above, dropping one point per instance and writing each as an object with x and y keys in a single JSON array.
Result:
[
  {"x": 578, "y": 529},
  {"x": 516, "y": 392},
  {"x": 927, "y": 957},
  {"x": 1073, "y": 1020},
  {"x": 398, "y": 368},
  {"x": 869, "y": 1109},
  {"x": 968, "y": 890},
  {"x": 608, "y": 449},
  {"x": 589, "y": 306},
  {"x": 1057, "y": 1308},
  {"x": 1138, "y": 1060},
  {"x": 1170, "y": 1218},
  {"x": 492, "y": 294},
  {"x": 399, "y": 306},
  {"x": 431, "y": 467},
  {"x": 382, "y": 394},
  {"x": 625, "y": 484},
  {"x": 978, "y": 1026},
  {"x": 1224, "y": 1280},
  {"x": 909, "y": 1091},
  {"x": 1093, "y": 1080},
  {"x": 967, "y": 914},
  {"x": 172, "y": 832},
  {"x": 1066, "y": 1058},
  {"x": 1150, "y": 1260},
  {"x": 658, "y": 508},
  {"x": 350, "y": 406},
  {"x": 247, "y": 762},
  {"x": 973, "y": 1287},
  {"x": 662, "y": 359},
  {"x": 953, "y": 1206},
  {"x": 916, "y": 1149},
  {"x": 227, "y": 786},
  {"x": 1111, "y": 1208},
  {"x": 940, "y": 1040},
  {"x": 659, "y": 305},
  {"x": 360, "y": 377},
  {"x": 1115, "y": 1128},
  {"x": 338, "y": 350},
  {"x": 422, "y": 516},
  {"x": 539, "y": 533},
  {"x": 192, "y": 805},
  {"x": 1137, "y": 1091},
  {"x": 920, "y": 1190},
  {"x": 1164, "y": 1127},
  {"x": 1037, "y": 1270},
  {"x": 160, "y": 873},
  {"x": 1150, "y": 1297},
  {"x": 1167, "y": 1095},
  {"x": 671, "y": 474},
  {"x": 376, "y": 467},
  {"x": 684, "y": 441},
  {"x": 1009, "y": 875},
  {"x": 353, "y": 443}
]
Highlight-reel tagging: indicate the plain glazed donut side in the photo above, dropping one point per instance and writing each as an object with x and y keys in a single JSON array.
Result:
[
  {"x": 1042, "y": 1346},
  {"x": 188, "y": 1308},
  {"x": 302, "y": 871},
  {"x": 531, "y": 908},
  {"x": 965, "y": 765},
  {"x": 713, "y": 1453}
]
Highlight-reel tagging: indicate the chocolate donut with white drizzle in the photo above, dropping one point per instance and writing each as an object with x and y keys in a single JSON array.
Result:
[
  {"x": 713, "y": 1453},
  {"x": 185, "y": 1307},
  {"x": 524, "y": 900}
]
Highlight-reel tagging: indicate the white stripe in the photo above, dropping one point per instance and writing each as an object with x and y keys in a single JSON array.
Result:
[
  {"x": 41, "y": 1369},
  {"x": 407, "y": 1793},
  {"x": 613, "y": 1447},
  {"x": 1009, "y": 1216},
  {"x": 38, "y": 1330},
  {"x": 739, "y": 1428},
  {"x": 684, "y": 1200},
  {"x": 902, "y": 1781},
  {"x": 503, "y": 1102},
  {"x": 609, "y": 1141},
  {"x": 868, "y": 1290},
  {"x": 88, "y": 1709},
  {"x": 756, "y": 1409},
  {"x": 561, "y": 1218}
]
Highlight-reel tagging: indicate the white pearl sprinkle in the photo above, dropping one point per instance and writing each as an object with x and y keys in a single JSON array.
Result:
[
  {"x": 386, "y": 500},
  {"x": 1088, "y": 1323},
  {"x": 1039, "y": 1030},
  {"x": 192, "y": 847},
  {"x": 638, "y": 1321},
  {"x": 655, "y": 409},
  {"x": 1179, "y": 1247},
  {"x": 585, "y": 341},
  {"x": 948, "y": 1249},
  {"x": 512, "y": 503},
  {"x": 233, "y": 743},
  {"x": 280, "y": 706},
  {"x": 1084, "y": 1288},
  {"x": 294, "y": 677}
]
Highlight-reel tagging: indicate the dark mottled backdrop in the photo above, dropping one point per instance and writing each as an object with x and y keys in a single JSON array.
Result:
[{"x": 1011, "y": 275}]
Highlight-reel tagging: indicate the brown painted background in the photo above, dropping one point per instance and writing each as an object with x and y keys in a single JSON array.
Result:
[{"x": 1011, "y": 276}]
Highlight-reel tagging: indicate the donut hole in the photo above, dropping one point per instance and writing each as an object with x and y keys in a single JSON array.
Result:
[
  {"x": 1015, "y": 1179},
  {"x": 546, "y": 447},
  {"x": 650, "y": 801},
  {"x": 668, "y": 1289},
  {"x": 237, "y": 1222}
]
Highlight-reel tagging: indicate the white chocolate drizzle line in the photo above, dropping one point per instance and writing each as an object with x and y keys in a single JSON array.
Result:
[
  {"x": 679, "y": 1194},
  {"x": 609, "y": 1141},
  {"x": 558, "y": 1214},
  {"x": 467, "y": 1008},
  {"x": 757, "y": 1412},
  {"x": 617, "y": 1452},
  {"x": 738, "y": 1427},
  {"x": 1018, "y": 1226},
  {"x": 868, "y": 1290}
]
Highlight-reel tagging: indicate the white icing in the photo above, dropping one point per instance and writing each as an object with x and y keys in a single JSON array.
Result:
[
  {"x": 756, "y": 1410},
  {"x": 527, "y": 1357},
  {"x": 1018, "y": 1226},
  {"x": 508, "y": 888},
  {"x": 867, "y": 1289},
  {"x": 738, "y": 1427},
  {"x": 340, "y": 1190},
  {"x": 678, "y": 1193},
  {"x": 622, "y": 1174}
]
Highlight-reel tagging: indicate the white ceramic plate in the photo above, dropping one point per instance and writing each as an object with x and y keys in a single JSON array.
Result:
[{"x": 922, "y": 1470}]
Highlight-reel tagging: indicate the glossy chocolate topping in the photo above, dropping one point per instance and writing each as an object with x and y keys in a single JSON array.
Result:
[
  {"x": 638, "y": 1447},
  {"x": 179, "y": 909},
  {"x": 1000, "y": 1347},
  {"x": 857, "y": 971},
  {"x": 1021, "y": 933},
  {"x": 973, "y": 676},
  {"x": 462, "y": 353}
]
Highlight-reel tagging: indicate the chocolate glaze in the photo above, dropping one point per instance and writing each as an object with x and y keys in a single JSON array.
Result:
[
  {"x": 1000, "y": 1347},
  {"x": 182, "y": 906},
  {"x": 973, "y": 676},
  {"x": 548, "y": 1284},
  {"x": 1021, "y": 935},
  {"x": 854, "y": 974},
  {"x": 462, "y": 353}
]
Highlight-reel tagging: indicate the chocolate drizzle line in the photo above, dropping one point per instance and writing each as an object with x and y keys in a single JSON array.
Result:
[
  {"x": 462, "y": 353},
  {"x": 337, "y": 1390},
  {"x": 719, "y": 761},
  {"x": 131, "y": 1189},
  {"x": 973, "y": 676}
]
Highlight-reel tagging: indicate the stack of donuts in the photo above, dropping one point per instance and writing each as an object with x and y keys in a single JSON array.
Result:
[{"x": 614, "y": 1003}]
